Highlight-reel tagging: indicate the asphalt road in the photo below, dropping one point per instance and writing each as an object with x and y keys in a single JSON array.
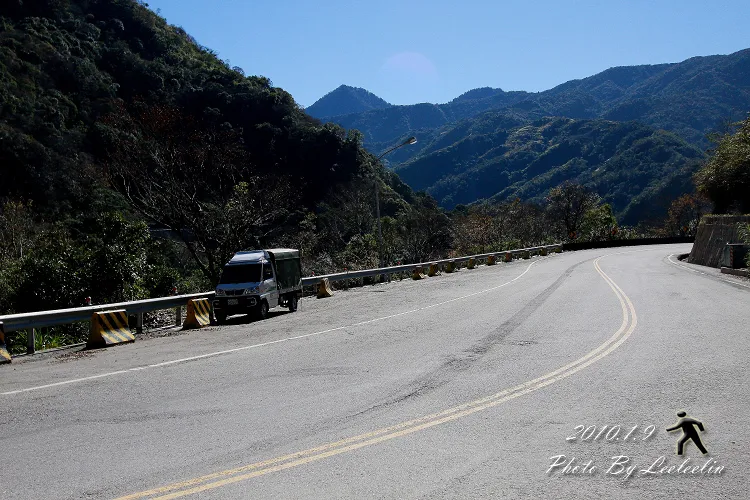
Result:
[{"x": 468, "y": 385}]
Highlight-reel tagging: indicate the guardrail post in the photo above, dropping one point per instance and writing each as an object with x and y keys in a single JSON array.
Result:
[
  {"x": 178, "y": 316},
  {"x": 30, "y": 341},
  {"x": 139, "y": 322}
]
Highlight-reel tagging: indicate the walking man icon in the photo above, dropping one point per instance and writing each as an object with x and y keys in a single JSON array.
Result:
[{"x": 688, "y": 426}]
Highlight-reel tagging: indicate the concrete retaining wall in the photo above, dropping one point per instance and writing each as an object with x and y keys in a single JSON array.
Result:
[{"x": 714, "y": 232}]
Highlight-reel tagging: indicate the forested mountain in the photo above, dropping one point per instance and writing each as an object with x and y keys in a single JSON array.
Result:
[
  {"x": 691, "y": 98},
  {"x": 345, "y": 100},
  {"x": 637, "y": 169},
  {"x": 115, "y": 126},
  {"x": 65, "y": 67}
]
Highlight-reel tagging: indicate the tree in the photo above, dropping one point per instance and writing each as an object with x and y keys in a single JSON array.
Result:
[
  {"x": 52, "y": 275},
  {"x": 113, "y": 259},
  {"x": 17, "y": 232},
  {"x": 17, "y": 229},
  {"x": 425, "y": 230},
  {"x": 195, "y": 180},
  {"x": 685, "y": 214},
  {"x": 743, "y": 230},
  {"x": 348, "y": 211},
  {"x": 527, "y": 225},
  {"x": 725, "y": 177},
  {"x": 476, "y": 229},
  {"x": 599, "y": 224},
  {"x": 567, "y": 205}
]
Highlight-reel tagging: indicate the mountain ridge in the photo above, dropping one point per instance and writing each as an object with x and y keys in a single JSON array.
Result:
[
  {"x": 344, "y": 97},
  {"x": 692, "y": 98},
  {"x": 634, "y": 167}
]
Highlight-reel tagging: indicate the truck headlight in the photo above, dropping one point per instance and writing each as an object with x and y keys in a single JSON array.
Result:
[
  {"x": 249, "y": 291},
  {"x": 221, "y": 293}
]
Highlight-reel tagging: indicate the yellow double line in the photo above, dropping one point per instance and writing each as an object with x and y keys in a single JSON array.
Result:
[{"x": 226, "y": 477}]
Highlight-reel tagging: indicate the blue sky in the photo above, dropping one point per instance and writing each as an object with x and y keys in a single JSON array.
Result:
[{"x": 432, "y": 51}]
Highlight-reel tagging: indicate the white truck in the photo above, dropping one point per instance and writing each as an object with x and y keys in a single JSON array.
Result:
[{"x": 255, "y": 281}]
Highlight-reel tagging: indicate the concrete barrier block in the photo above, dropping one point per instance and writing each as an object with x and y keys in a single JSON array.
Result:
[
  {"x": 543, "y": 251},
  {"x": 526, "y": 255},
  {"x": 449, "y": 267},
  {"x": 558, "y": 249},
  {"x": 471, "y": 264},
  {"x": 434, "y": 270},
  {"x": 735, "y": 272},
  {"x": 508, "y": 257},
  {"x": 491, "y": 260},
  {"x": 418, "y": 274},
  {"x": 324, "y": 289},
  {"x": 198, "y": 314},
  {"x": 4, "y": 354},
  {"x": 109, "y": 328}
]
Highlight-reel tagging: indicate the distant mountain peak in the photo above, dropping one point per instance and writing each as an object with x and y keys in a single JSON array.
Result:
[
  {"x": 345, "y": 100},
  {"x": 480, "y": 93}
]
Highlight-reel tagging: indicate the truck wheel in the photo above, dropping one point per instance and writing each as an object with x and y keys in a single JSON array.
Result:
[
  {"x": 221, "y": 318},
  {"x": 262, "y": 311},
  {"x": 292, "y": 303}
]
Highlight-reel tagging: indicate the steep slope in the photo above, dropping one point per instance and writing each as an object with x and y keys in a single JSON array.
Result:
[
  {"x": 346, "y": 100},
  {"x": 634, "y": 167},
  {"x": 116, "y": 127},
  {"x": 65, "y": 67},
  {"x": 692, "y": 98}
]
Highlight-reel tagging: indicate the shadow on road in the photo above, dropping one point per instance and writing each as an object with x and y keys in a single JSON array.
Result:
[{"x": 243, "y": 319}]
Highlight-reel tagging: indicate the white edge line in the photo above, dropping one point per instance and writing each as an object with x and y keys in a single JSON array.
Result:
[
  {"x": 264, "y": 344},
  {"x": 211, "y": 481},
  {"x": 732, "y": 282}
]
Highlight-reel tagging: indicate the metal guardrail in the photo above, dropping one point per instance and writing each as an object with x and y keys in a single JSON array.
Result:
[
  {"x": 314, "y": 280},
  {"x": 41, "y": 319}
]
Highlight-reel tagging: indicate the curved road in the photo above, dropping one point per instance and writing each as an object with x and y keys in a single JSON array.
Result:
[{"x": 554, "y": 377}]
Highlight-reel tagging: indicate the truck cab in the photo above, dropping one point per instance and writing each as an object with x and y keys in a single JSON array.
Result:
[{"x": 254, "y": 281}]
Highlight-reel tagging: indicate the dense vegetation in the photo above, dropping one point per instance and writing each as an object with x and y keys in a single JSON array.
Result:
[
  {"x": 133, "y": 161},
  {"x": 116, "y": 127},
  {"x": 691, "y": 98},
  {"x": 467, "y": 153},
  {"x": 725, "y": 178},
  {"x": 636, "y": 169}
]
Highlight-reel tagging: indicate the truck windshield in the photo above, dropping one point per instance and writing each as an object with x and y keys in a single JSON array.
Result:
[{"x": 245, "y": 273}]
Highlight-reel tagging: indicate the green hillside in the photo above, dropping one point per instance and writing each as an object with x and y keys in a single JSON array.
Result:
[
  {"x": 116, "y": 127},
  {"x": 65, "y": 66},
  {"x": 637, "y": 169},
  {"x": 691, "y": 98}
]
